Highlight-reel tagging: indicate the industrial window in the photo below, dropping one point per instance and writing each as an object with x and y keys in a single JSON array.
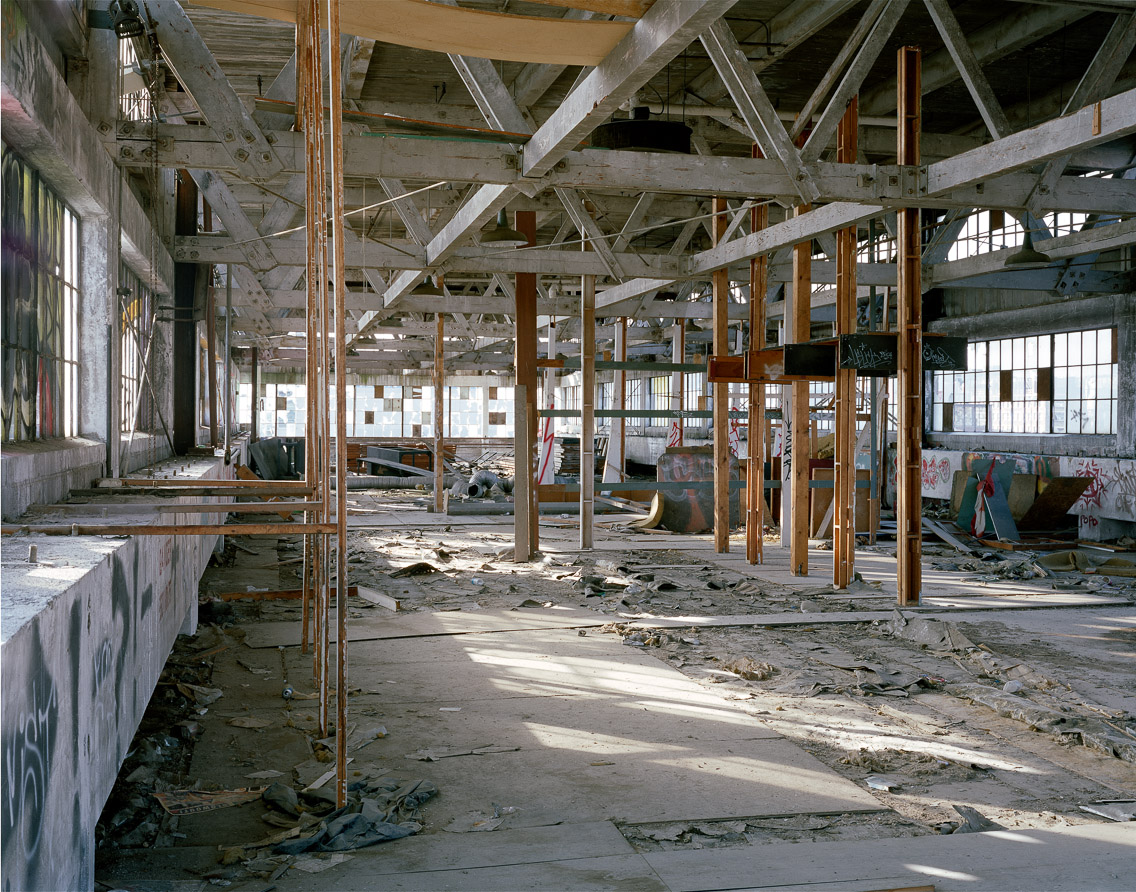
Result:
[
  {"x": 694, "y": 386},
  {"x": 660, "y": 399},
  {"x": 634, "y": 400},
  {"x": 136, "y": 304},
  {"x": 1062, "y": 383},
  {"x": 41, "y": 308}
]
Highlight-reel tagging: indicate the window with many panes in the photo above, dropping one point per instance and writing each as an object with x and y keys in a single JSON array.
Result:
[
  {"x": 660, "y": 398},
  {"x": 1061, "y": 383},
  {"x": 695, "y": 390},
  {"x": 136, "y": 304},
  {"x": 40, "y": 290}
]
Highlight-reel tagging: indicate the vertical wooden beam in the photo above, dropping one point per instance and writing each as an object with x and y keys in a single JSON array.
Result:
[
  {"x": 525, "y": 404},
  {"x": 755, "y": 426},
  {"x": 439, "y": 407},
  {"x": 721, "y": 392},
  {"x": 844, "y": 474},
  {"x": 798, "y": 429},
  {"x": 303, "y": 123},
  {"x": 587, "y": 411},
  {"x": 909, "y": 378},
  {"x": 338, "y": 273}
]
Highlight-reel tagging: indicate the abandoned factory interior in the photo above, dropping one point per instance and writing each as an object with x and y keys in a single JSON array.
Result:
[{"x": 585, "y": 445}]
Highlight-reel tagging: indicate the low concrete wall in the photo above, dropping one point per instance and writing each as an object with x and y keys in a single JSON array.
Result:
[
  {"x": 1106, "y": 510},
  {"x": 85, "y": 633},
  {"x": 44, "y": 471}
]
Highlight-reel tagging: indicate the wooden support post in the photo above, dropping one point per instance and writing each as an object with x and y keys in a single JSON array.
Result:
[
  {"x": 525, "y": 416},
  {"x": 798, "y": 428},
  {"x": 523, "y": 480},
  {"x": 439, "y": 408},
  {"x": 844, "y": 473},
  {"x": 721, "y": 392},
  {"x": 587, "y": 410},
  {"x": 909, "y": 378},
  {"x": 338, "y": 275},
  {"x": 304, "y": 124},
  {"x": 755, "y": 427}
]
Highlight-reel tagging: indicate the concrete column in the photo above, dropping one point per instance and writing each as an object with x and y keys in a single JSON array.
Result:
[
  {"x": 1126, "y": 376},
  {"x": 94, "y": 327},
  {"x": 100, "y": 371}
]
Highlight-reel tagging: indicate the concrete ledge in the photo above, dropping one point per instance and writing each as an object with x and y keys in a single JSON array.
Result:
[
  {"x": 46, "y": 470},
  {"x": 85, "y": 633}
]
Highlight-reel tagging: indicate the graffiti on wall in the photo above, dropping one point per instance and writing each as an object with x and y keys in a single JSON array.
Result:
[
  {"x": 31, "y": 731},
  {"x": 1045, "y": 467},
  {"x": 936, "y": 473},
  {"x": 1112, "y": 492}
]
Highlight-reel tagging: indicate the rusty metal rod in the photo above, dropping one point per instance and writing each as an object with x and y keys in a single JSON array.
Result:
[
  {"x": 188, "y": 507},
  {"x": 221, "y": 492},
  {"x": 335, "y": 90},
  {"x": 177, "y": 529}
]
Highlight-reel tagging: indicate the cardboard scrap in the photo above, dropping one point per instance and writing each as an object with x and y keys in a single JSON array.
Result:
[{"x": 192, "y": 802}]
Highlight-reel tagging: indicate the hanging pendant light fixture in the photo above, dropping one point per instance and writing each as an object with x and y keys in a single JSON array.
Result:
[
  {"x": 642, "y": 133},
  {"x": 501, "y": 236}
]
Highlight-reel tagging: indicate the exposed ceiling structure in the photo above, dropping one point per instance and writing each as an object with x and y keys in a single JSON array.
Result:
[{"x": 1020, "y": 101}]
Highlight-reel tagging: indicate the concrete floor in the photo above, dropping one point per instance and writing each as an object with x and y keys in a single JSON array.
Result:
[{"x": 594, "y": 739}]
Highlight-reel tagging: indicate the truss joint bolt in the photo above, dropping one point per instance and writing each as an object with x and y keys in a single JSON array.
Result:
[
  {"x": 247, "y": 134},
  {"x": 127, "y": 152},
  {"x": 229, "y": 136},
  {"x": 242, "y": 155}
]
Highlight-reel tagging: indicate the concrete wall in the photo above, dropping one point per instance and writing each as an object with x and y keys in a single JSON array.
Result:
[
  {"x": 1106, "y": 510},
  {"x": 45, "y": 471},
  {"x": 85, "y": 633}
]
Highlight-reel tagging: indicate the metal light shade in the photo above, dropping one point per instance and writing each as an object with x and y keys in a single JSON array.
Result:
[
  {"x": 1028, "y": 257},
  {"x": 501, "y": 236},
  {"x": 427, "y": 288},
  {"x": 641, "y": 133},
  {"x": 127, "y": 20}
]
